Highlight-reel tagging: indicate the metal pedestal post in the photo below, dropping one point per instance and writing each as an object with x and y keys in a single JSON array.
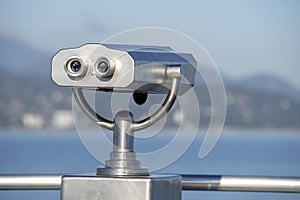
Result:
[
  {"x": 153, "y": 187},
  {"x": 122, "y": 178},
  {"x": 123, "y": 160}
]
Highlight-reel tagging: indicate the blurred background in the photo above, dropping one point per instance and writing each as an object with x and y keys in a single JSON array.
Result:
[{"x": 255, "y": 44}]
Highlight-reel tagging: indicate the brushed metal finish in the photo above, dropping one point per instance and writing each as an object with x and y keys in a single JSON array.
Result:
[
  {"x": 154, "y": 187},
  {"x": 135, "y": 67},
  {"x": 89, "y": 112},
  {"x": 105, "y": 123},
  {"x": 91, "y": 53},
  {"x": 163, "y": 110},
  {"x": 30, "y": 182},
  {"x": 261, "y": 184},
  {"x": 189, "y": 182},
  {"x": 123, "y": 159},
  {"x": 241, "y": 183},
  {"x": 123, "y": 139}
]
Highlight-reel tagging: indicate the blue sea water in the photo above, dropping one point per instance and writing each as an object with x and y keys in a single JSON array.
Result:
[{"x": 238, "y": 152}]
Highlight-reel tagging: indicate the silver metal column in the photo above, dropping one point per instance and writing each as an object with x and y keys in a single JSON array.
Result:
[
  {"x": 123, "y": 138},
  {"x": 122, "y": 160}
]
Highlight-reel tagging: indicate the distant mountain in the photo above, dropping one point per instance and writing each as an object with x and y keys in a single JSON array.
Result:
[
  {"x": 22, "y": 95},
  {"x": 270, "y": 83},
  {"x": 22, "y": 59}
]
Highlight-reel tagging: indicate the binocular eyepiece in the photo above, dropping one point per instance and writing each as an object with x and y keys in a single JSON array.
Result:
[{"x": 75, "y": 67}]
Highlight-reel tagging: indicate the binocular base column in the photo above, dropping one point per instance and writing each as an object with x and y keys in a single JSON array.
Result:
[
  {"x": 122, "y": 164},
  {"x": 153, "y": 187}
]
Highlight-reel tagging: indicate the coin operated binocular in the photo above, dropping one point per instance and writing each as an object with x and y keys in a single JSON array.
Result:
[
  {"x": 136, "y": 69},
  {"x": 140, "y": 70}
]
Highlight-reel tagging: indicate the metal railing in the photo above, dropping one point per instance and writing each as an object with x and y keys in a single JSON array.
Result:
[
  {"x": 30, "y": 182},
  {"x": 189, "y": 182},
  {"x": 241, "y": 183}
]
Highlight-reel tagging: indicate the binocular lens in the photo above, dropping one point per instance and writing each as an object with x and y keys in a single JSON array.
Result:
[
  {"x": 103, "y": 66},
  {"x": 75, "y": 67}
]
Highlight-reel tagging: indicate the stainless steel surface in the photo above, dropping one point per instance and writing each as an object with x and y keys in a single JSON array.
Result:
[
  {"x": 95, "y": 117},
  {"x": 241, "y": 183},
  {"x": 132, "y": 68},
  {"x": 88, "y": 111},
  {"x": 122, "y": 164},
  {"x": 189, "y": 182},
  {"x": 154, "y": 187},
  {"x": 91, "y": 53},
  {"x": 123, "y": 160},
  {"x": 163, "y": 110},
  {"x": 123, "y": 139},
  {"x": 30, "y": 182}
]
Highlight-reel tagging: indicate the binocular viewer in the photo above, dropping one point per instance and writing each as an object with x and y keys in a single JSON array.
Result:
[{"x": 125, "y": 68}]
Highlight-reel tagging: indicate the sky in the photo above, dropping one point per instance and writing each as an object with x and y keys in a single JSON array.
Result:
[{"x": 243, "y": 37}]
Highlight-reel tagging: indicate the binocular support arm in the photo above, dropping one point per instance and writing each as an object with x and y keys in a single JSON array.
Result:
[
  {"x": 88, "y": 111},
  {"x": 123, "y": 160},
  {"x": 163, "y": 110},
  {"x": 173, "y": 74}
]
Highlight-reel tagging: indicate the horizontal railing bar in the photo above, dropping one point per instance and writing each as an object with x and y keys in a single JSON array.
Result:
[
  {"x": 189, "y": 182},
  {"x": 30, "y": 182},
  {"x": 241, "y": 183}
]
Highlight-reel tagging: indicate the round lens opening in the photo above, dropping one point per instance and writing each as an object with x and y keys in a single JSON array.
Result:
[
  {"x": 103, "y": 66},
  {"x": 75, "y": 66}
]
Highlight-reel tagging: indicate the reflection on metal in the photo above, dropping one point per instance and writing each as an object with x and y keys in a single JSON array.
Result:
[
  {"x": 158, "y": 187},
  {"x": 163, "y": 110},
  {"x": 30, "y": 182},
  {"x": 241, "y": 183},
  {"x": 122, "y": 67},
  {"x": 105, "y": 123},
  {"x": 123, "y": 159},
  {"x": 88, "y": 111},
  {"x": 189, "y": 182}
]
